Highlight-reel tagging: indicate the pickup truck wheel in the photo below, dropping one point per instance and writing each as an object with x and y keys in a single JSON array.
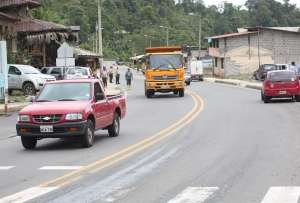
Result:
[
  {"x": 28, "y": 142},
  {"x": 298, "y": 98},
  {"x": 181, "y": 93},
  {"x": 114, "y": 128},
  {"x": 89, "y": 136},
  {"x": 29, "y": 89},
  {"x": 266, "y": 99}
]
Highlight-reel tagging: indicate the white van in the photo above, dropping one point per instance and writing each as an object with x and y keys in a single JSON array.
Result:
[{"x": 197, "y": 70}]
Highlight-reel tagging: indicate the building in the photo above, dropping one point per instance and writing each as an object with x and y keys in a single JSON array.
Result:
[
  {"x": 30, "y": 40},
  {"x": 243, "y": 52}
]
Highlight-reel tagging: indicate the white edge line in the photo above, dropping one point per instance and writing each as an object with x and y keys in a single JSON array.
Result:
[
  {"x": 28, "y": 194},
  {"x": 3, "y": 168}
]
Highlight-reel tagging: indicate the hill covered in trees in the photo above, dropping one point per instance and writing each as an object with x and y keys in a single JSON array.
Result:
[{"x": 126, "y": 22}]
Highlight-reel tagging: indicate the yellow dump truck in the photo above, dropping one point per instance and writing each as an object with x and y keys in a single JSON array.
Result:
[{"x": 164, "y": 71}]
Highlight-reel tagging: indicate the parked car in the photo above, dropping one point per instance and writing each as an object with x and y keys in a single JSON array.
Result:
[
  {"x": 280, "y": 84},
  {"x": 197, "y": 70},
  {"x": 70, "y": 109},
  {"x": 57, "y": 72},
  {"x": 282, "y": 66},
  {"x": 26, "y": 78},
  {"x": 187, "y": 77},
  {"x": 261, "y": 73},
  {"x": 78, "y": 73}
]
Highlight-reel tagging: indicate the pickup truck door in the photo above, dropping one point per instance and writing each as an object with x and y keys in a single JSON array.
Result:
[
  {"x": 14, "y": 75},
  {"x": 100, "y": 107}
]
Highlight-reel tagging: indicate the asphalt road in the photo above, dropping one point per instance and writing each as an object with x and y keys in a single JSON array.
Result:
[{"x": 231, "y": 148}]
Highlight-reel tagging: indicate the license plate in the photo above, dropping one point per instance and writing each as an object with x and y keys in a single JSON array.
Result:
[
  {"x": 165, "y": 87},
  {"x": 282, "y": 92},
  {"x": 46, "y": 129}
]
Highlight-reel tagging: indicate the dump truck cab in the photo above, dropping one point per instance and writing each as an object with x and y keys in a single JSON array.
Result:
[{"x": 164, "y": 71}]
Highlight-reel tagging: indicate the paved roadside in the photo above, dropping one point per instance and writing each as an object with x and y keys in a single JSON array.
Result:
[
  {"x": 239, "y": 83},
  {"x": 12, "y": 107}
]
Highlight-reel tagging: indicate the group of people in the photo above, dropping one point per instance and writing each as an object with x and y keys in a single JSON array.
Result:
[{"x": 115, "y": 73}]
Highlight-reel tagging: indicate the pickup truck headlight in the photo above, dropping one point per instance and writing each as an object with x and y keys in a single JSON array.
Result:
[
  {"x": 23, "y": 118},
  {"x": 74, "y": 116}
]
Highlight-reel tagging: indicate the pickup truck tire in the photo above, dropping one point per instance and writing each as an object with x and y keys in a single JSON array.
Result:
[
  {"x": 28, "y": 142},
  {"x": 297, "y": 98},
  {"x": 181, "y": 93},
  {"x": 89, "y": 135},
  {"x": 114, "y": 128},
  {"x": 29, "y": 89}
]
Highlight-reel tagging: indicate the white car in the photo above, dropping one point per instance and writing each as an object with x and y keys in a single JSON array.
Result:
[
  {"x": 78, "y": 73},
  {"x": 26, "y": 78}
]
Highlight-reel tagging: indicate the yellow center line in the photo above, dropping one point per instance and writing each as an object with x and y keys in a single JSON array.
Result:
[{"x": 131, "y": 150}]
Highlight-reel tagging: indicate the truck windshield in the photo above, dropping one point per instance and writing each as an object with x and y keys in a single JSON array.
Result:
[
  {"x": 65, "y": 92},
  {"x": 165, "y": 61}
]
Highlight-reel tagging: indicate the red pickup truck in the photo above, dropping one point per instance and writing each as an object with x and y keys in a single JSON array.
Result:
[{"x": 70, "y": 109}]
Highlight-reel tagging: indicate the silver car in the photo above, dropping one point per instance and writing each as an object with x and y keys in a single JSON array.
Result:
[{"x": 26, "y": 78}]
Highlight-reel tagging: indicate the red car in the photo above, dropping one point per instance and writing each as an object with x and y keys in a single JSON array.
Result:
[
  {"x": 280, "y": 84},
  {"x": 70, "y": 109}
]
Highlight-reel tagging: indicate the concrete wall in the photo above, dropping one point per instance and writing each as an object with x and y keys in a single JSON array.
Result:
[{"x": 241, "y": 53}]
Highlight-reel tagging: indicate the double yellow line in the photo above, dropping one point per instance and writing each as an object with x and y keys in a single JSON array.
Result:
[{"x": 132, "y": 149}]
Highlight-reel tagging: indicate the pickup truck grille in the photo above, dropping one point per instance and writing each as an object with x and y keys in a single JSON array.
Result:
[
  {"x": 165, "y": 77},
  {"x": 47, "y": 118}
]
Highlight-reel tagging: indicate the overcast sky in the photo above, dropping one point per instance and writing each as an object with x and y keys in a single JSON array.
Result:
[{"x": 240, "y": 2}]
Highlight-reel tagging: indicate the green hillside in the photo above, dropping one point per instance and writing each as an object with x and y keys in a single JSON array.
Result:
[{"x": 125, "y": 22}]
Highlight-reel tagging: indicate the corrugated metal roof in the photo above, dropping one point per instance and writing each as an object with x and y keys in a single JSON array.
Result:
[
  {"x": 34, "y": 25},
  {"x": 231, "y": 35},
  {"x": 14, "y": 3},
  {"x": 8, "y": 17}
]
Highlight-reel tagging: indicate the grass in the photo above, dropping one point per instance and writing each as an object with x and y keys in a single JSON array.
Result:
[
  {"x": 17, "y": 96},
  {"x": 244, "y": 77}
]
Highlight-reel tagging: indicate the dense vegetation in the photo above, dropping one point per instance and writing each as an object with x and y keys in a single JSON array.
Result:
[{"x": 126, "y": 22}]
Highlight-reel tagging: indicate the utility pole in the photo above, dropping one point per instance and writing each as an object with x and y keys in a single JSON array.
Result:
[
  {"x": 200, "y": 35},
  {"x": 258, "y": 46},
  {"x": 100, "y": 34},
  {"x": 167, "y": 36}
]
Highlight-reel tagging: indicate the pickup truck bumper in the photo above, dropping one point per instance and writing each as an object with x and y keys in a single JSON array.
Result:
[
  {"x": 64, "y": 130},
  {"x": 165, "y": 86}
]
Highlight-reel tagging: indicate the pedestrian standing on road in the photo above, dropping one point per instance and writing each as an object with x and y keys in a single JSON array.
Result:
[
  {"x": 111, "y": 74},
  {"x": 128, "y": 77},
  {"x": 117, "y": 76},
  {"x": 293, "y": 66},
  {"x": 104, "y": 76}
]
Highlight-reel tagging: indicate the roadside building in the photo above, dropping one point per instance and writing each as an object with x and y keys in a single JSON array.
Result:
[
  {"x": 30, "y": 40},
  {"x": 243, "y": 52}
]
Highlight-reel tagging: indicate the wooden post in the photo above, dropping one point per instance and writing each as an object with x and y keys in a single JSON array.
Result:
[{"x": 44, "y": 52}]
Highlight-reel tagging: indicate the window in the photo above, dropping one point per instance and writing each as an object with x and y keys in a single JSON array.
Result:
[
  {"x": 44, "y": 71},
  {"x": 222, "y": 63},
  {"x": 55, "y": 71},
  {"x": 97, "y": 89},
  {"x": 14, "y": 71}
]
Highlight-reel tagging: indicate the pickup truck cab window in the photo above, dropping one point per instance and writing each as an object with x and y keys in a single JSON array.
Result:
[
  {"x": 98, "y": 92},
  {"x": 14, "y": 71}
]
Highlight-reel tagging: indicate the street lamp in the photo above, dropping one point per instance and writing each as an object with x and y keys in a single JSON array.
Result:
[
  {"x": 167, "y": 28},
  {"x": 200, "y": 31}
]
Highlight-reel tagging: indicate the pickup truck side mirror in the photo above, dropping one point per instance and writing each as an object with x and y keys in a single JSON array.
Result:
[{"x": 99, "y": 96}]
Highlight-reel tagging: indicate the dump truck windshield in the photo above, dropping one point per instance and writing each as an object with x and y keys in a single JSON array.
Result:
[{"x": 165, "y": 61}]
